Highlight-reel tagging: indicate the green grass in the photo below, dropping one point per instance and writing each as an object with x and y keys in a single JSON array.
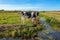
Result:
[
  {"x": 26, "y": 30},
  {"x": 9, "y": 18},
  {"x": 53, "y": 19}
]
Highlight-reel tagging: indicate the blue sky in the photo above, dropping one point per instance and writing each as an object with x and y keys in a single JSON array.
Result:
[{"x": 30, "y": 4}]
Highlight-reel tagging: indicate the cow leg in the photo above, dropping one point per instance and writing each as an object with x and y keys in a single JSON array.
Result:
[
  {"x": 33, "y": 19},
  {"x": 23, "y": 20}
]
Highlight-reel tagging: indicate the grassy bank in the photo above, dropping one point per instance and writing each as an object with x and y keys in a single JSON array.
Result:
[{"x": 53, "y": 18}]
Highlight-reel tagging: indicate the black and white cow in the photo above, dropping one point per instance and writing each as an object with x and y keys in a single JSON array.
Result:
[{"x": 29, "y": 14}]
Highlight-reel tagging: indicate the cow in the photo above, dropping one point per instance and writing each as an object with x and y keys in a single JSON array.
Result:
[
  {"x": 34, "y": 15},
  {"x": 29, "y": 14}
]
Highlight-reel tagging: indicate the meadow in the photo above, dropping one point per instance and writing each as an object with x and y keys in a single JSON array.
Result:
[
  {"x": 11, "y": 25},
  {"x": 52, "y": 17},
  {"x": 9, "y": 17}
]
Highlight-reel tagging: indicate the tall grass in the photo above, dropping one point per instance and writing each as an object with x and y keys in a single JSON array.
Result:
[
  {"x": 52, "y": 20},
  {"x": 9, "y": 18}
]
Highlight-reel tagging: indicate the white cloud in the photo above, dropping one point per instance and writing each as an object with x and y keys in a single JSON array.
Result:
[{"x": 20, "y": 7}]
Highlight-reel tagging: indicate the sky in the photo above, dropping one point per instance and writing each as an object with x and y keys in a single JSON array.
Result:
[{"x": 30, "y": 5}]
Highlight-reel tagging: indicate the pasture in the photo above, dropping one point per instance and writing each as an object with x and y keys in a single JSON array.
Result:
[
  {"x": 13, "y": 17},
  {"x": 9, "y": 18},
  {"x": 11, "y": 25},
  {"x": 53, "y": 18}
]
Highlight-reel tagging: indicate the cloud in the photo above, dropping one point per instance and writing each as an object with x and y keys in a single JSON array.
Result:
[
  {"x": 28, "y": 7},
  {"x": 20, "y": 7}
]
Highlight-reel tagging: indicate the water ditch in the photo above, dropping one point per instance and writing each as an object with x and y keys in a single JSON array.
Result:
[{"x": 49, "y": 33}]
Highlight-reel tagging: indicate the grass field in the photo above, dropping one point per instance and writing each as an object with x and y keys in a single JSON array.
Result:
[
  {"x": 14, "y": 18},
  {"x": 53, "y": 18},
  {"x": 10, "y": 24},
  {"x": 9, "y": 18},
  {"x": 55, "y": 15}
]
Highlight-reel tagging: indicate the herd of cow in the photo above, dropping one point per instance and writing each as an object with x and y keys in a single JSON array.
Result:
[{"x": 29, "y": 14}]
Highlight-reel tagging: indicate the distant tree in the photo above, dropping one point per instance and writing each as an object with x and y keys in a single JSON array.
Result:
[
  {"x": 43, "y": 11},
  {"x": 2, "y": 10}
]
